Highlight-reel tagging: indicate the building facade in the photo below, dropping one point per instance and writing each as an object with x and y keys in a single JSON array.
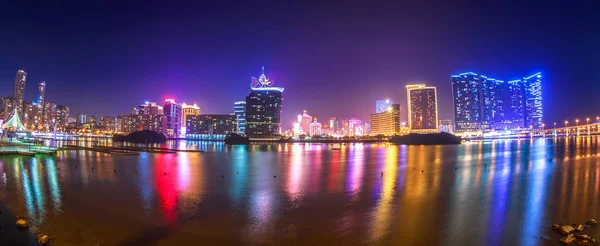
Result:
[
  {"x": 263, "y": 109},
  {"x": 315, "y": 128},
  {"x": 172, "y": 118},
  {"x": 446, "y": 126},
  {"x": 386, "y": 123},
  {"x": 211, "y": 124},
  {"x": 482, "y": 103},
  {"x": 19, "y": 91},
  {"x": 187, "y": 111},
  {"x": 239, "y": 109},
  {"x": 422, "y": 108}
]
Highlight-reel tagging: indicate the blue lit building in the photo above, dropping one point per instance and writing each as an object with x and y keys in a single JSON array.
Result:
[
  {"x": 483, "y": 103},
  {"x": 239, "y": 109},
  {"x": 263, "y": 109},
  {"x": 382, "y": 105}
]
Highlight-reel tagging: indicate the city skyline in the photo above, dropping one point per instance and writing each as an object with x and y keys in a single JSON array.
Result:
[{"x": 130, "y": 61}]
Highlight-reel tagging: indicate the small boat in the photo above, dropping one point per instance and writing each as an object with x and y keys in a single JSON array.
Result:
[{"x": 336, "y": 147}]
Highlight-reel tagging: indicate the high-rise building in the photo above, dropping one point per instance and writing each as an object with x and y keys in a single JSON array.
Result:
[
  {"x": 239, "y": 109},
  {"x": 382, "y": 105},
  {"x": 315, "y": 128},
  {"x": 188, "y": 110},
  {"x": 482, "y": 103},
  {"x": 533, "y": 101},
  {"x": 19, "y": 91},
  {"x": 211, "y": 124},
  {"x": 446, "y": 126},
  {"x": 41, "y": 94},
  {"x": 62, "y": 117},
  {"x": 82, "y": 118},
  {"x": 386, "y": 123},
  {"x": 172, "y": 118},
  {"x": 263, "y": 109},
  {"x": 148, "y": 108},
  {"x": 305, "y": 120},
  {"x": 422, "y": 108}
]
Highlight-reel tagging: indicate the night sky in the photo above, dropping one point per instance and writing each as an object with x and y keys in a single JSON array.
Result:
[{"x": 332, "y": 59}]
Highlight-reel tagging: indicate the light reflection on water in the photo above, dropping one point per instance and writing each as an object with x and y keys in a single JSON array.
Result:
[{"x": 491, "y": 193}]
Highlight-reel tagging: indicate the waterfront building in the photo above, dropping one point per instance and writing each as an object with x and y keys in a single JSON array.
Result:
[
  {"x": 211, "y": 124},
  {"x": 315, "y": 128},
  {"x": 382, "y": 105},
  {"x": 41, "y": 94},
  {"x": 263, "y": 109},
  {"x": 107, "y": 123},
  {"x": 172, "y": 118},
  {"x": 6, "y": 104},
  {"x": 81, "y": 118},
  {"x": 446, "y": 126},
  {"x": 19, "y": 91},
  {"x": 62, "y": 117},
  {"x": 187, "y": 110},
  {"x": 239, "y": 109},
  {"x": 422, "y": 108},
  {"x": 387, "y": 122},
  {"x": 482, "y": 103}
]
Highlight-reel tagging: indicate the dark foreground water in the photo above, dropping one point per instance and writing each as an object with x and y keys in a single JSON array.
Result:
[{"x": 493, "y": 193}]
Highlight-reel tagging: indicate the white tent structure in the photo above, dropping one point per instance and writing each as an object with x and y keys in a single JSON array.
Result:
[{"x": 14, "y": 123}]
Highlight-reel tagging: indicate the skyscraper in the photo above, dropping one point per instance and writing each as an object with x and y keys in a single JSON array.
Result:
[
  {"x": 263, "y": 109},
  {"x": 239, "y": 109},
  {"x": 482, "y": 103},
  {"x": 533, "y": 101},
  {"x": 386, "y": 123},
  {"x": 305, "y": 120},
  {"x": 187, "y": 111},
  {"x": 172, "y": 118},
  {"x": 41, "y": 94},
  {"x": 382, "y": 105},
  {"x": 315, "y": 128},
  {"x": 422, "y": 108},
  {"x": 19, "y": 92}
]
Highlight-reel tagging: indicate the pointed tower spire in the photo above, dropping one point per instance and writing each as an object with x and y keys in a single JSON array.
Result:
[{"x": 263, "y": 69}]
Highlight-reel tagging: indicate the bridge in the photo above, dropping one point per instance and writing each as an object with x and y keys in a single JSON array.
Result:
[{"x": 566, "y": 130}]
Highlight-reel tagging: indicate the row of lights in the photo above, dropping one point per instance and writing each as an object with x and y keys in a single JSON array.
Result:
[{"x": 576, "y": 122}]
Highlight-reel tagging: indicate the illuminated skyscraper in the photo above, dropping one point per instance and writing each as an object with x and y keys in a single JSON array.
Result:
[
  {"x": 187, "y": 111},
  {"x": 482, "y": 103},
  {"x": 62, "y": 117},
  {"x": 422, "y": 108},
  {"x": 304, "y": 120},
  {"x": 534, "y": 113},
  {"x": 382, "y": 105},
  {"x": 263, "y": 109},
  {"x": 172, "y": 118},
  {"x": 315, "y": 128},
  {"x": 41, "y": 94},
  {"x": 19, "y": 92},
  {"x": 387, "y": 122},
  {"x": 239, "y": 109}
]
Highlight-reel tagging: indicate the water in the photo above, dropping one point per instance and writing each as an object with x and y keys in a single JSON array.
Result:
[{"x": 492, "y": 193}]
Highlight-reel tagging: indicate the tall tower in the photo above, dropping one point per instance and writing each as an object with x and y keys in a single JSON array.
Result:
[
  {"x": 19, "y": 93},
  {"x": 263, "y": 109},
  {"x": 41, "y": 94},
  {"x": 422, "y": 108}
]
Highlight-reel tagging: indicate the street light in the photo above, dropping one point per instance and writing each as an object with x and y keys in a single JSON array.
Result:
[
  {"x": 567, "y": 127},
  {"x": 577, "y": 124}
]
